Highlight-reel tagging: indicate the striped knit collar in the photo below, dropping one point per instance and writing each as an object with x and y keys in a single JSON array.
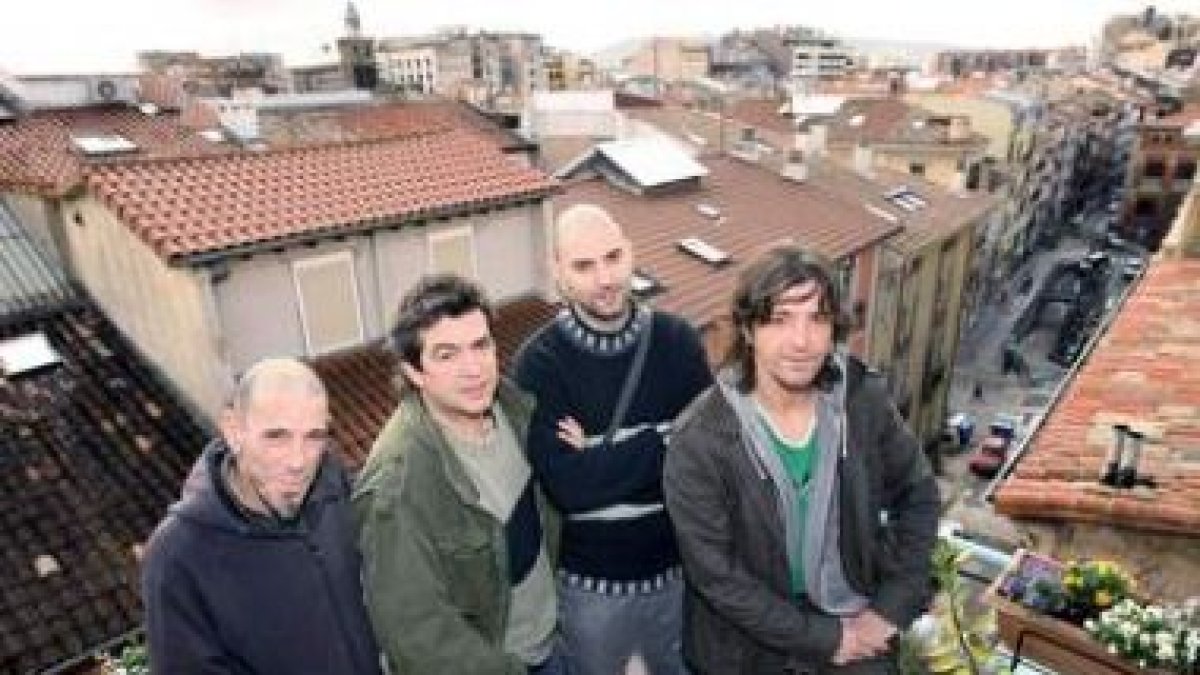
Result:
[{"x": 601, "y": 343}]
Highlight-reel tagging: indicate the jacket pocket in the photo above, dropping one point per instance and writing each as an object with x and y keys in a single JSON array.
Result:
[{"x": 471, "y": 574}]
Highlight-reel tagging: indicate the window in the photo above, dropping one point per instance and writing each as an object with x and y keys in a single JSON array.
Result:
[
  {"x": 452, "y": 251},
  {"x": 1185, "y": 169},
  {"x": 916, "y": 168},
  {"x": 1155, "y": 168},
  {"x": 328, "y": 299}
]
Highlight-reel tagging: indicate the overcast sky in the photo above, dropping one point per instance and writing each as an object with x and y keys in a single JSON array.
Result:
[{"x": 56, "y": 36}]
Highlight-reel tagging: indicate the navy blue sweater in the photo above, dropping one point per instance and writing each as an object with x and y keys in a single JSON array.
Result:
[
  {"x": 226, "y": 594},
  {"x": 574, "y": 371}
]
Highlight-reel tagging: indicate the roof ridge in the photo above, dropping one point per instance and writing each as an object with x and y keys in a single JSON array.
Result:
[{"x": 296, "y": 148}]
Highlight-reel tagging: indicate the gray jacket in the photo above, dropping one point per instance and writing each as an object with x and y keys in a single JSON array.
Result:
[{"x": 733, "y": 520}]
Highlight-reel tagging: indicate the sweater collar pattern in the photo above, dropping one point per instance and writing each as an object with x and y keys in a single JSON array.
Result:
[{"x": 602, "y": 343}]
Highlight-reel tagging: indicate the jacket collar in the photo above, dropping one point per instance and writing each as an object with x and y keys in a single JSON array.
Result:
[{"x": 428, "y": 434}]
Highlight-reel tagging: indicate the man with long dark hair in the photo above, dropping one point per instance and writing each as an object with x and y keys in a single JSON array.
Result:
[{"x": 804, "y": 509}]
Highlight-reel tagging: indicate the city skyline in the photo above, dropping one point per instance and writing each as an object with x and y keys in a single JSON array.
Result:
[{"x": 66, "y": 36}]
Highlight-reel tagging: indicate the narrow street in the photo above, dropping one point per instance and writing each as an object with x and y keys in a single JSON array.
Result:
[{"x": 1018, "y": 397}]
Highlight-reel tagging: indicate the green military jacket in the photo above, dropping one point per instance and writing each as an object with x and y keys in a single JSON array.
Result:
[{"x": 435, "y": 561}]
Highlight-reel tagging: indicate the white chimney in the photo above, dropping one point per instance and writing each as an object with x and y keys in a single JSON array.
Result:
[
  {"x": 959, "y": 186},
  {"x": 816, "y": 140},
  {"x": 796, "y": 168},
  {"x": 863, "y": 160},
  {"x": 801, "y": 142},
  {"x": 239, "y": 117}
]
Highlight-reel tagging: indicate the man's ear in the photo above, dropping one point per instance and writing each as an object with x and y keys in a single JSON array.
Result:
[
  {"x": 413, "y": 375},
  {"x": 231, "y": 428}
]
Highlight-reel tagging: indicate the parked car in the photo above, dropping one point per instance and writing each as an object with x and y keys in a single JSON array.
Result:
[{"x": 987, "y": 460}]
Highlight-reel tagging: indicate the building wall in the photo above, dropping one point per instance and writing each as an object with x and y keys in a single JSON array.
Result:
[
  {"x": 259, "y": 307},
  {"x": 166, "y": 311},
  {"x": 413, "y": 68},
  {"x": 670, "y": 59},
  {"x": 1164, "y": 194},
  {"x": 863, "y": 294},
  {"x": 884, "y": 316},
  {"x": 940, "y": 167},
  {"x": 386, "y": 265},
  {"x": 926, "y": 305},
  {"x": 575, "y": 113},
  {"x": 991, "y": 118},
  {"x": 1163, "y": 565},
  {"x": 40, "y": 218},
  {"x": 1184, "y": 239}
]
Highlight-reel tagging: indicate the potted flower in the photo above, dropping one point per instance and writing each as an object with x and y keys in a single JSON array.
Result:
[
  {"x": 1036, "y": 593},
  {"x": 1090, "y": 587},
  {"x": 1152, "y": 636}
]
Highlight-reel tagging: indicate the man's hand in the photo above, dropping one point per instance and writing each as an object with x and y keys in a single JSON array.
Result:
[
  {"x": 851, "y": 647},
  {"x": 874, "y": 630},
  {"x": 864, "y": 635},
  {"x": 571, "y": 433}
]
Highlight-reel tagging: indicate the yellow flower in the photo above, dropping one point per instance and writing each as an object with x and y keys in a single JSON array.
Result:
[{"x": 1103, "y": 598}]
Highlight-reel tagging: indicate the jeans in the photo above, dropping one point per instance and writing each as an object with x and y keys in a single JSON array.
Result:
[{"x": 605, "y": 632}]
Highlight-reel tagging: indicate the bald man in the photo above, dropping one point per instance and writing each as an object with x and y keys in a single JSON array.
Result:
[
  {"x": 610, "y": 375},
  {"x": 254, "y": 569}
]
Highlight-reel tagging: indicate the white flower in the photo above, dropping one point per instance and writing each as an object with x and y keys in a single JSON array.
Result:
[
  {"x": 1112, "y": 649},
  {"x": 1090, "y": 625},
  {"x": 1166, "y": 653}
]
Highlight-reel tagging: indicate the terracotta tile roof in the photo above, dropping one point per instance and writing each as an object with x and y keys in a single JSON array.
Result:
[
  {"x": 37, "y": 155},
  {"x": 890, "y": 121},
  {"x": 362, "y": 388},
  {"x": 762, "y": 113},
  {"x": 184, "y": 207},
  {"x": 93, "y": 451},
  {"x": 1143, "y": 373},
  {"x": 558, "y": 152},
  {"x": 1189, "y": 114},
  {"x": 378, "y": 121},
  {"x": 757, "y": 208},
  {"x": 690, "y": 125}
]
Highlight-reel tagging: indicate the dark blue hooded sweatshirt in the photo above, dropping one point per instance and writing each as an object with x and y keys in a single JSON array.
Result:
[{"x": 227, "y": 593}]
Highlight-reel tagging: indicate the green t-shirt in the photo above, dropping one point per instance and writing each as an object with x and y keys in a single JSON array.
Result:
[{"x": 799, "y": 459}]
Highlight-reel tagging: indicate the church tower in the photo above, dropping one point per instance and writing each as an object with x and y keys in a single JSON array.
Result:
[{"x": 357, "y": 53}]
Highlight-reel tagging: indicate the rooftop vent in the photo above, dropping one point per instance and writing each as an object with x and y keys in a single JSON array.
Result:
[
  {"x": 704, "y": 251},
  {"x": 885, "y": 215},
  {"x": 46, "y": 565},
  {"x": 905, "y": 198},
  {"x": 645, "y": 285},
  {"x": 709, "y": 211},
  {"x": 26, "y": 353},
  {"x": 102, "y": 145}
]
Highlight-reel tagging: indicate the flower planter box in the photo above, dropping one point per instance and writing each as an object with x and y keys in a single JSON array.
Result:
[{"x": 1054, "y": 643}]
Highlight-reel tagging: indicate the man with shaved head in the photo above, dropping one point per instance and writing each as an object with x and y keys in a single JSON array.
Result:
[
  {"x": 610, "y": 375},
  {"x": 254, "y": 569}
]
